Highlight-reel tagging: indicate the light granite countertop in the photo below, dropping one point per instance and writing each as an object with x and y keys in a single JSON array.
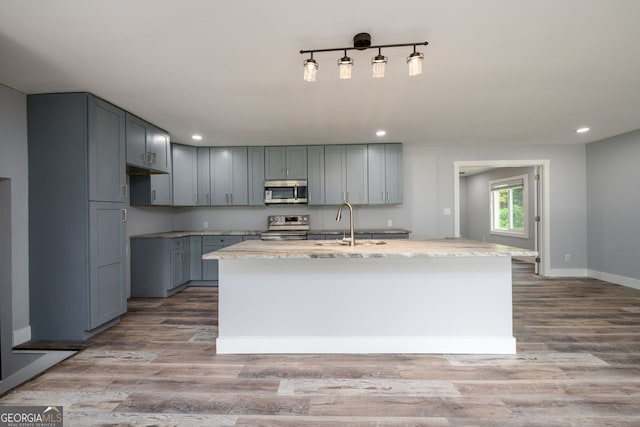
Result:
[
  {"x": 401, "y": 248},
  {"x": 178, "y": 234}
]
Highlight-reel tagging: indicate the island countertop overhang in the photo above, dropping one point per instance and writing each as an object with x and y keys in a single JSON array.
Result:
[{"x": 404, "y": 248}]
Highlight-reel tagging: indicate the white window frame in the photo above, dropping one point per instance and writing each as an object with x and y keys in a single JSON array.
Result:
[{"x": 524, "y": 234}]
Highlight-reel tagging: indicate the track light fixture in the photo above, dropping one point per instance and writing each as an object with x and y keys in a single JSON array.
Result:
[
  {"x": 362, "y": 41},
  {"x": 310, "y": 69},
  {"x": 344, "y": 66}
]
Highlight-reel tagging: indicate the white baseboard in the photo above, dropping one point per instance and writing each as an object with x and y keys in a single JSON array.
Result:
[
  {"x": 614, "y": 278},
  {"x": 567, "y": 272},
  {"x": 369, "y": 344},
  {"x": 21, "y": 336}
]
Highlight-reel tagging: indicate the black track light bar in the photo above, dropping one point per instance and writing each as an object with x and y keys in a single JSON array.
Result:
[{"x": 381, "y": 46}]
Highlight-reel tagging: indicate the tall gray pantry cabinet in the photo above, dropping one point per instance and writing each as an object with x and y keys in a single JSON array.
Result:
[{"x": 77, "y": 214}]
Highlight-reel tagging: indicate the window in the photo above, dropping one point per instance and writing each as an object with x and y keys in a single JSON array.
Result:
[{"x": 509, "y": 206}]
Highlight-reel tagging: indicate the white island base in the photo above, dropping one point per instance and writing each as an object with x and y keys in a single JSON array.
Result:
[{"x": 441, "y": 304}]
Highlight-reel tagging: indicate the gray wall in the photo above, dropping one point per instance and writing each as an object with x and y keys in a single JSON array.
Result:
[
  {"x": 13, "y": 165},
  {"x": 613, "y": 205},
  {"x": 475, "y": 208}
]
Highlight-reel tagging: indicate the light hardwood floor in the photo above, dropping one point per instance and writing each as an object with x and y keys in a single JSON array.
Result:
[{"x": 578, "y": 364}]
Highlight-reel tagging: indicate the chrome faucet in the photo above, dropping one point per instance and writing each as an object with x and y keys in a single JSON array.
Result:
[{"x": 352, "y": 242}]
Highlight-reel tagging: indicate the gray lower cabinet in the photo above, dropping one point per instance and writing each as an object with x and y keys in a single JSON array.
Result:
[
  {"x": 195, "y": 257},
  {"x": 210, "y": 244},
  {"x": 76, "y": 215},
  {"x": 159, "y": 266},
  {"x": 107, "y": 243}
]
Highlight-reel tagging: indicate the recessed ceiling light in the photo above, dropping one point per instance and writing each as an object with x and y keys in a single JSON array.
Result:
[
  {"x": 196, "y": 137},
  {"x": 381, "y": 133},
  {"x": 582, "y": 130}
]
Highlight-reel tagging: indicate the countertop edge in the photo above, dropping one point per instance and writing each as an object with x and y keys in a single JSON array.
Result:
[{"x": 306, "y": 249}]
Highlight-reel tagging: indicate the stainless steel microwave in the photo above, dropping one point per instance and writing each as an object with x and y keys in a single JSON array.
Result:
[{"x": 285, "y": 191}]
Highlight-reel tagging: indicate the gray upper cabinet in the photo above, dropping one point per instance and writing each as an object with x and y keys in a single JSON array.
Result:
[
  {"x": 76, "y": 230},
  {"x": 204, "y": 177},
  {"x": 159, "y": 145},
  {"x": 286, "y": 162},
  {"x": 315, "y": 171},
  {"x": 148, "y": 147},
  {"x": 385, "y": 173},
  {"x": 256, "y": 175},
  {"x": 346, "y": 174},
  {"x": 150, "y": 190},
  {"x": 107, "y": 181},
  {"x": 185, "y": 175},
  {"x": 335, "y": 176},
  {"x": 357, "y": 176},
  {"x": 229, "y": 178}
]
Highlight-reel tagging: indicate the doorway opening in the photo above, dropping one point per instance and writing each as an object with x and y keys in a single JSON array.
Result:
[{"x": 539, "y": 210}]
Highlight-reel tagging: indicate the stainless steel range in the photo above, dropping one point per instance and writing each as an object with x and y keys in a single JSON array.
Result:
[{"x": 287, "y": 227}]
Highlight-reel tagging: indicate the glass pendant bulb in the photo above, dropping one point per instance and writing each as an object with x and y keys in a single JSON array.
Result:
[
  {"x": 345, "y": 64},
  {"x": 378, "y": 65},
  {"x": 415, "y": 63},
  {"x": 310, "y": 69}
]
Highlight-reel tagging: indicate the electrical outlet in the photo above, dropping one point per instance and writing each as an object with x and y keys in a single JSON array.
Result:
[
  {"x": 389, "y": 223},
  {"x": 205, "y": 225},
  {"x": 446, "y": 211},
  {"x": 567, "y": 257}
]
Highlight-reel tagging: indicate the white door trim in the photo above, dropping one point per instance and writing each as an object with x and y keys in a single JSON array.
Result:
[{"x": 545, "y": 243}]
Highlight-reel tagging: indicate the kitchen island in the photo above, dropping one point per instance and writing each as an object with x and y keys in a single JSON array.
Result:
[{"x": 390, "y": 296}]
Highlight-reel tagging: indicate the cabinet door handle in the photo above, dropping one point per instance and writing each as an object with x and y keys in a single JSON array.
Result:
[
  {"x": 153, "y": 195},
  {"x": 387, "y": 196},
  {"x": 152, "y": 158},
  {"x": 124, "y": 190},
  {"x": 287, "y": 171},
  {"x": 383, "y": 196},
  {"x": 124, "y": 215},
  {"x": 231, "y": 198},
  {"x": 196, "y": 198}
]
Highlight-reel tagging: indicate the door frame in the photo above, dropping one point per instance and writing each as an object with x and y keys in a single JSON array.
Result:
[{"x": 543, "y": 208}]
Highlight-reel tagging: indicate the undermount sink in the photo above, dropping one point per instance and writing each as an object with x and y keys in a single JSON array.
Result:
[{"x": 364, "y": 242}]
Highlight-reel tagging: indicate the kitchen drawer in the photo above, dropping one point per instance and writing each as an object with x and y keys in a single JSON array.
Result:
[
  {"x": 383, "y": 236},
  {"x": 315, "y": 237},
  {"x": 178, "y": 243},
  {"x": 221, "y": 240}
]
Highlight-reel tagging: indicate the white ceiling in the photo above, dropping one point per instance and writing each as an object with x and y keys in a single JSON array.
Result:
[{"x": 495, "y": 71}]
